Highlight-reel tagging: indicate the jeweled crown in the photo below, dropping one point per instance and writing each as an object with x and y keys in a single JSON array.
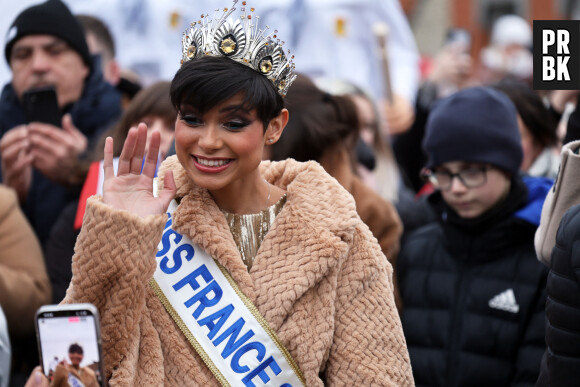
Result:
[{"x": 243, "y": 41}]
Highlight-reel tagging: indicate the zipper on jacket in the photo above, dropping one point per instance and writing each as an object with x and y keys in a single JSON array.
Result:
[{"x": 464, "y": 276}]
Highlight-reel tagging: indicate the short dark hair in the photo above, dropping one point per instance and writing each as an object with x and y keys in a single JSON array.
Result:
[
  {"x": 75, "y": 348},
  {"x": 208, "y": 81}
]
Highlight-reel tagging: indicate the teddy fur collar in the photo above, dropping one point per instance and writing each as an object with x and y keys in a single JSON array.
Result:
[{"x": 309, "y": 238}]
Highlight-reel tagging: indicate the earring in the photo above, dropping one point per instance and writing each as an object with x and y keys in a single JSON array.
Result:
[{"x": 270, "y": 140}]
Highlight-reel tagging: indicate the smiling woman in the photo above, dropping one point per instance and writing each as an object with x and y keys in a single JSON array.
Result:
[
  {"x": 73, "y": 374},
  {"x": 263, "y": 271},
  {"x": 221, "y": 146}
]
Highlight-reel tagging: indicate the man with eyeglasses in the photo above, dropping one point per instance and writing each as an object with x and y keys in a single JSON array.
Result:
[{"x": 473, "y": 291}]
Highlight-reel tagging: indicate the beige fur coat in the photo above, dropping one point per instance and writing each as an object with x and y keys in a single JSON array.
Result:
[
  {"x": 24, "y": 284},
  {"x": 319, "y": 278}
]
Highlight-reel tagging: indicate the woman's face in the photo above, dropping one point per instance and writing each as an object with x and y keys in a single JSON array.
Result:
[
  {"x": 165, "y": 128},
  {"x": 222, "y": 148},
  {"x": 75, "y": 358}
]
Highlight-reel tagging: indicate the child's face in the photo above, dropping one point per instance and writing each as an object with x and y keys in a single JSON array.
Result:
[{"x": 473, "y": 202}]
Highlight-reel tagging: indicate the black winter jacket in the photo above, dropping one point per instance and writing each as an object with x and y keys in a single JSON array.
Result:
[
  {"x": 98, "y": 108},
  {"x": 474, "y": 296},
  {"x": 561, "y": 362}
]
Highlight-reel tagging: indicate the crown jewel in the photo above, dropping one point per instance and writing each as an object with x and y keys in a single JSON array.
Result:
[{"x": 242, "y": 41}]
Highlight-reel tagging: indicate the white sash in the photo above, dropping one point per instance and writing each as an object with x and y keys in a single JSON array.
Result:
[
  {"x": 73, "y": 381},
  {"x": 219, "y": 321}
]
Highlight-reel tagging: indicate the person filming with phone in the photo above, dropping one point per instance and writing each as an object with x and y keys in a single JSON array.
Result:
[{"x": 42, "y": 142}]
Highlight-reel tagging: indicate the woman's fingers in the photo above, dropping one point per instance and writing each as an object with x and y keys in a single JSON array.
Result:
[
  {"x": 139, "y": 150},
  {"x": 152, "y": 154},
  {"x": 169, "y": 189},
  {"x": 108, "y": 169},
  {"x": 127, "y": 152}
]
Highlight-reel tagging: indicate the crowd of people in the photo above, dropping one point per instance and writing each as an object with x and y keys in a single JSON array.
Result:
[{"x": 290, "y": 208}]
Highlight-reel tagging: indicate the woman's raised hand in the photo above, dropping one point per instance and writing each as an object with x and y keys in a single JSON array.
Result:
[{"x": 132, "y": 188}]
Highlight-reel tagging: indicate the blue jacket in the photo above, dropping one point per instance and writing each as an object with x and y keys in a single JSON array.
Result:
[
  {"x": 98, "y": 108},
  {"x": 474, "y": 294}
]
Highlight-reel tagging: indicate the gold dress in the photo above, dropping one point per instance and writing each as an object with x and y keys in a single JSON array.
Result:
[{"x": 249, "y": 230}]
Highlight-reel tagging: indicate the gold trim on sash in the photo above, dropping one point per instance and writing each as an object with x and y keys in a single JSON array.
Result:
[
  {"x": 251, "y": 307},
  {"x": 258, "y": 316},
  {"x": 183, "y": 328}
]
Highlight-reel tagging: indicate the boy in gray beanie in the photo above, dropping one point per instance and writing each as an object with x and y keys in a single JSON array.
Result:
[{"x": 472, "y": 288}]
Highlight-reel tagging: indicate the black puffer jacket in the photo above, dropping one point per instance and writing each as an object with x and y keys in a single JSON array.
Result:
[
  {"x": 561, "y": 362},
  {"x": 98, "y": 108},
  {"x": 474, "y": 296}
]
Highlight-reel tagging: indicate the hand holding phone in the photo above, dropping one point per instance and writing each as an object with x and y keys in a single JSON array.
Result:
[
  {"x": 459, "y": 37},
  {"x": 69, "y": 342},
  {"x": 41, "y": 105}
]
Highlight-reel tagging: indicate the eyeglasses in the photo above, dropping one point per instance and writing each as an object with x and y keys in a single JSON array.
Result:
[{"x": 472, "y": 177}]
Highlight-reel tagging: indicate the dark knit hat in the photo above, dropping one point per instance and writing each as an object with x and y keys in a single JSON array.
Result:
[
  {"x": 477, "y": 124},
  {"x": 49, "y": 18}
]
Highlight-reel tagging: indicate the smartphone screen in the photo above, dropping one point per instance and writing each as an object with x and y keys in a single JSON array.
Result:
[{"x": 69, "y": 344}]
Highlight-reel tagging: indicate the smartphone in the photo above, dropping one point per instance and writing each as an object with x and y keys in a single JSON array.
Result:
[
  {"x": 41, "y": 105},
  {"x": 69, "y": 343},
  {"x": 459, "y": 36}
]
